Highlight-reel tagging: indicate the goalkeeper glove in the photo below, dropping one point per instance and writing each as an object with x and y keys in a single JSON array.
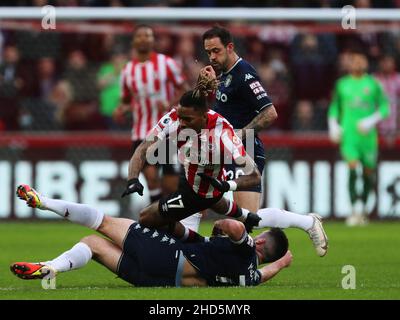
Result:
[
  {"x": 367, "y": 124},
  {"x": 335, "y": 131}
]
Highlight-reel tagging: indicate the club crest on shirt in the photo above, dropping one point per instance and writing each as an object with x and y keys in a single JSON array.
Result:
[{"x": 228, "y": 81}]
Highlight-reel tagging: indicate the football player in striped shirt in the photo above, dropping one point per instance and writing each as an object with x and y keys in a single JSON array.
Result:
[
  {"x": 150, "y": 83},
  {"x": 208, "y": 141}
]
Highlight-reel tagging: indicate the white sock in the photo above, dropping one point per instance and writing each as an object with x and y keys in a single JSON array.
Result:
[
  {"x": 77, "y": 257},
  {"x": 154, "y": 192},
  {"x": 278, "y": 218},
  {"x": 245, "y": 213},
  {"x": 75, "y": 212},
  {"x": 192, "y": 222}
]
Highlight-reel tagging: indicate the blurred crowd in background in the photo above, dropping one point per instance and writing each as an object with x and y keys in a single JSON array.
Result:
[{"x": 70, "y": 81}]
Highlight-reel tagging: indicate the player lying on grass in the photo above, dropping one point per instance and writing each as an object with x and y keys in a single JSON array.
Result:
[
  {"x": 151, "y": 257},
  {"x": 209, "y": 143}
]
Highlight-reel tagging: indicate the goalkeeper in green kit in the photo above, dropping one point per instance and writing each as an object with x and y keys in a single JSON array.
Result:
[{"x": 358, "y": 104}]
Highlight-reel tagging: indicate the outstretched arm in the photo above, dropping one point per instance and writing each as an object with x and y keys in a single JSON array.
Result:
[
  {"x": 270, "y": 270},
  {"x": 138, "y": 159},
  {"x": 136, "y": 164}
]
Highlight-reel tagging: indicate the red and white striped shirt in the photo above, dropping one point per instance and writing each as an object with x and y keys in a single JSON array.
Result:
[
  {"x": 206, "y": 152},
  {"x": 146, "y": 84},
  {"x": 391, "y": 85}
]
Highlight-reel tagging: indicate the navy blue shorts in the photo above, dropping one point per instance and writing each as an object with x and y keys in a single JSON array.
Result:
[
  {"x": 233, "y": 172},
  {"x": 150, "y": 258}
]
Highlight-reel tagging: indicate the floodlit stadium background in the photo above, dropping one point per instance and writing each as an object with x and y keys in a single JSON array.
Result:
[{"x": 56, "y": 132}]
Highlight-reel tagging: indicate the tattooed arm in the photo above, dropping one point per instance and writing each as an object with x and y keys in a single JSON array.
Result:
[
  {"x": 135, "y": 166},
  {"x": 138, "y": 159},
  {"x": 265, "y": 118}
]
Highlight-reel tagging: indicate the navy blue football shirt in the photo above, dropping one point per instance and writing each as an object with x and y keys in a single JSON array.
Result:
[
  {"x": 222, "y": 262},
  {"x": 240, "y": 96}
]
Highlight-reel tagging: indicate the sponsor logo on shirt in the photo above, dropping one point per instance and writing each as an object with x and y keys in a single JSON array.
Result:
[
  {"x": 257, "y": 88},
  {"x": 221, "y": 96}
]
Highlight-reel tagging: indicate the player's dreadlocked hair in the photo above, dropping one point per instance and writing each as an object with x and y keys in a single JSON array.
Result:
[{"x": 191, "y": 100}]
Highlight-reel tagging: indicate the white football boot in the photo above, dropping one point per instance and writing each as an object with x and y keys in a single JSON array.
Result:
[{"x": 318, "y": 236}]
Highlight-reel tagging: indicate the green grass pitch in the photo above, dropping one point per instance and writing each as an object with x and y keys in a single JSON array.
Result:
[{"x": 373, "y": 251}]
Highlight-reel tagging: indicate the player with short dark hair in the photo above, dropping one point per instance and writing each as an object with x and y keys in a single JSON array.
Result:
[
  {"x": 242, "y": 100},
  {"x": 150, "y": 257}
]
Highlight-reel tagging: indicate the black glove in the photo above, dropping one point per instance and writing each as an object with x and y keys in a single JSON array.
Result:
[
  {"x": 222, "y": 186},
  {"x": 252, "y": 221},
  {"x": 133, "y": 186}
]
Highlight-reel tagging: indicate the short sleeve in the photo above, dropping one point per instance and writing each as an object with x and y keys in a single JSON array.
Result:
[
  {"x": 165, "y": 125},
  {"x": 231, "y": 143},
  {"x": 382, "y": 100},
  {"x": 125, "y": 92},
  {"x": 245, "y": 245},
  {"x": 253, "y": 91},
  {"x": 174, "y": 72}
]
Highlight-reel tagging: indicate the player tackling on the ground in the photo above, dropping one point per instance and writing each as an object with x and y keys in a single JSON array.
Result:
[
  {"x": 206, "y": 142},
  {"x": 150, "y": 257}
]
